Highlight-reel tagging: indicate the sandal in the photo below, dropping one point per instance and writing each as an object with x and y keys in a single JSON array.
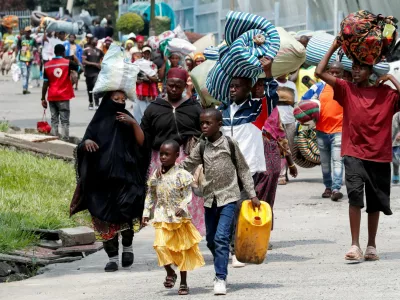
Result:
[
  {"x": 371, "y": 254},
  {"x": 327, "y": 193},
  {"x": 183, "y": 290},
  {"x": 354, "y": 253},
  {"x": 169, "y": 282}
]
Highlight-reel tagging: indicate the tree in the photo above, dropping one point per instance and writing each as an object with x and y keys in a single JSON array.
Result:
[
  {"x": 130, "y": 22},
  {"x": 12, "y": 5}
]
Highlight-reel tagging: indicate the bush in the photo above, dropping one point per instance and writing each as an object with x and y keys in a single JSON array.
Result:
[
  {"x": 162, "y": 24},
  {"x": 130, "y": 22}
]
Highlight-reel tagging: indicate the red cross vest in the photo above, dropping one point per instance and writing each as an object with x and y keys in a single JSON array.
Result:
[{"x": 60, "y": 86}]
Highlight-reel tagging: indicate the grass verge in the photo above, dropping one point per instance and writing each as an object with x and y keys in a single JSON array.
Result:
[{"x": 35, "y": 192}]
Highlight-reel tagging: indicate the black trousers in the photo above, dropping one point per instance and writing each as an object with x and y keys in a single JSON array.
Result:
[
  {"x": 90, "y": 83},
  {"x": 111, "y": 246}
]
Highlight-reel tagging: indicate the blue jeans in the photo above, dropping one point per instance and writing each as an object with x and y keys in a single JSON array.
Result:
[
  {"x": 25, "y": 72},
  {"x": 330, "y": 147},
  {"x": 218, "y": 226}
]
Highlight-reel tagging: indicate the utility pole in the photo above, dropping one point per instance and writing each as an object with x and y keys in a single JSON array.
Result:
[{"x": 152, "y": 17}]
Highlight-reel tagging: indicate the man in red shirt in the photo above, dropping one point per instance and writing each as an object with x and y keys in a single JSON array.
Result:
[
  {"x": 59, "y": 86},
  {"x": 366, "y": 147}
]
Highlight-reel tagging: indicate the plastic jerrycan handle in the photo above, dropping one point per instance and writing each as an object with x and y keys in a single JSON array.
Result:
[{"x": 257, "y": 219}]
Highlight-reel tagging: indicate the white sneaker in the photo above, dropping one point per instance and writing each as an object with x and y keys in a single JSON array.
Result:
[
  {"x": 236, "y": 263},
  {"x": 96, "y": 107},
  {"x": 219, "y": 286}
]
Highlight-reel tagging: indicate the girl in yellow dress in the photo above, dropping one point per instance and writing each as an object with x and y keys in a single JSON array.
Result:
[{"x": 176, "y": 238}]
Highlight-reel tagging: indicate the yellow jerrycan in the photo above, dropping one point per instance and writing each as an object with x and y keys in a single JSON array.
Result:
[{"x": 252, "y": 232}]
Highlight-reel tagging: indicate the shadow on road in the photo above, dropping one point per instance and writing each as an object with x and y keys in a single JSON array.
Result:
[{"x": 293, "y": 243}]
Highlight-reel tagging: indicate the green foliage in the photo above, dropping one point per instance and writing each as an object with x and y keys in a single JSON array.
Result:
[
  {"x": 161, "y": 24},
  {"x": 130, "y": 22},
  {"x": 4, "y": 125},
  {"x": 35, "y": 193}
]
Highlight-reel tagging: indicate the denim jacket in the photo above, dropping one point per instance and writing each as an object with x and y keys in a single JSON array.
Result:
[{"x": 79, "y": 50}]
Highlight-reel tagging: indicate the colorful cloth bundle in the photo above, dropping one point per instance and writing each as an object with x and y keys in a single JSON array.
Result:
[
  {"x": 320, "y": 43},
  {"x": 248, "y": 38},
  {"x": 307, "y": 111},
  {"x": 362, "y": 37},
  {"x": 306, "y": 152}
]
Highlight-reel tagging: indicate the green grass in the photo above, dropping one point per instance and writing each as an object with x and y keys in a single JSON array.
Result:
[
  {"x": 4, "y": 125},
  {"x": 35, "y": 192}
]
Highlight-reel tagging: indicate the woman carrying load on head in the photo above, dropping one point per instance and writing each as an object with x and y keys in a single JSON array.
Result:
[
  {"x": 174, "y": 117},
  {"x": 111, "y": 176}
]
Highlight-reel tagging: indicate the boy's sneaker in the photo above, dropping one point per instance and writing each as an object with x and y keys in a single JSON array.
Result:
[
  {"x": 236, "y": 263},
  {"x": 96, "y": 107},
  {"x": 219, "y": 286},
  {"x": 91, "y": 107}
]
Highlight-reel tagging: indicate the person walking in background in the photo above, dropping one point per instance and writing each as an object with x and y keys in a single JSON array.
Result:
[
  {"x": 99, "y": 32},
  {"x": 176, "y": 239},
  {"x": 73, "y": 49},
  {"x": 396, "y": 147},
  {"x": 59, "y": 87},
  {"x": 329, "y": 133},
  {"x": 9, "y": 57},
  {"x": 198, "y": 59},
  {"x": 365, "y": 146},
  {"x": 106, "y": 45},
  {"x": 128, "y": 46},
  {"x": 35, "y": 68},
  {"x": 25, "y": 46},
  {"x": 50, "y": 40},
  {"x": 303, "y": 78},
  {"x": 91, "y": 60},
  {"x": 140, "y": 42},
  {"x": 109, "y": 30},
  {"x": 111, "y": 172},
  {"x": 287, "y": 99}
]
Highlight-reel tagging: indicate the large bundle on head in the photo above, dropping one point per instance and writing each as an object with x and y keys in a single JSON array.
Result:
[
  {"x": 10, "y": 21},
  {"x": 117, "y": 73},
  {"x": 199, "y": 77},
  {"x": 65, "y": 26},
  {"x": 306, "y": 111},
  {"x": 320, "y": 43},
  {"x": 155, "y": 41},
  {"x": 248, "y": 38},
  {"x": 366, "y": 37}
]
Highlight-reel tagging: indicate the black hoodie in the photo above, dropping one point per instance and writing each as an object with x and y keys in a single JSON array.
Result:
[{"x": 162, "y": 122}]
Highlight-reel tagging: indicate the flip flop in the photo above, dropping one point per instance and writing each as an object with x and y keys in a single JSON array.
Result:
[
  {"x": 371, "y": 254},
  {"x": 169, "y": 282},
  {"x": 183, "y": 290},
  {"x": 354, "y": 253}
]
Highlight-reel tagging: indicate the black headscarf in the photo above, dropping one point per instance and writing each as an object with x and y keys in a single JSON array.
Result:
[{"x": 112, "y": 179}]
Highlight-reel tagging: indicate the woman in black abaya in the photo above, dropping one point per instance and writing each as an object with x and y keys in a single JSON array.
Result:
[{"x": 111, "y": 176}]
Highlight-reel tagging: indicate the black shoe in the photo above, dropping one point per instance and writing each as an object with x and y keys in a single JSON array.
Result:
[
  {"x": 127, "y": 259},
  {"x": 336, "y": 196},
  {"x": 111, "y": 267},
  {"x": 91, "y": 107}
]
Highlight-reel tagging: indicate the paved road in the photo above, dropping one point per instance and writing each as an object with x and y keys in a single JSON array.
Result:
[
  {"x": 310, "y": 239},
  {"x": 25, "y": 110}
]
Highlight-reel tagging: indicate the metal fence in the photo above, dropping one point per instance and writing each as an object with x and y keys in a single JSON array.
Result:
[{"x": 24, "y": 17}]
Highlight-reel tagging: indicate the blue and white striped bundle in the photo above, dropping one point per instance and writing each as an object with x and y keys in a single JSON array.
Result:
[
  {"x": 320, "y": 43},
  {"x": 248, "y": 38}
]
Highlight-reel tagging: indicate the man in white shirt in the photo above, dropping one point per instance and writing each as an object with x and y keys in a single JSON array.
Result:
[{"x": 50, "y": 40}]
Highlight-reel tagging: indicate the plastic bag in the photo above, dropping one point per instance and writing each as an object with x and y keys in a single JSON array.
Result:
[
  {"x": 179, "y": 33},
  {"x": 117, "y": 73},
  {"x": 154, "y": 41},
  {"x": 16, "y": 72},
  {"x": 181, "y": 46},
  {"x": 43, "y": 126},
  {"x": 67, "y": 27},
  {"x": 35, "y": 72},
  {"x": 145, "y": 66},
  {"x": 85, "y": 17}
]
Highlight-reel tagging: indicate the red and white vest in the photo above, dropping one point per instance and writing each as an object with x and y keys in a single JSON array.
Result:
[{"x": 60, "y": 86}]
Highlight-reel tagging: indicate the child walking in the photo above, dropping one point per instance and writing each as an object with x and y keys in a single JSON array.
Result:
[
  {"x": 224, "y": 166},
  {"x": 176, "y": 238}
]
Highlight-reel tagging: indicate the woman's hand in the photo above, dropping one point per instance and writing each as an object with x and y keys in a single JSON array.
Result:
[
  {"x": 126, "y": 119},
  {"x": 179, "y": 212},
  {"x": 145, "y": 221},
  {"x": 90, "y": 146},
  {"x": 293, "y": 171}
]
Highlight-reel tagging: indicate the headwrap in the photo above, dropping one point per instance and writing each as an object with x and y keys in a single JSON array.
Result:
[
  {"x": 139, "y": 38},
  {"x": 178, "y": 73},
  {"x": 147, "y": 48},
  {"x": 175, "y": 53},
  {"x": 129, "y": 42},
  {"x": 198, "y": 55}
]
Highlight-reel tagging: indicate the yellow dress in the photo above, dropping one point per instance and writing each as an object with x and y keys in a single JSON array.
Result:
[{"x": 176, "y": 238}]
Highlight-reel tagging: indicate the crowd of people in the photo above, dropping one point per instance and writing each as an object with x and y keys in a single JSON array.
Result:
[{"x": 139, "y": 163}]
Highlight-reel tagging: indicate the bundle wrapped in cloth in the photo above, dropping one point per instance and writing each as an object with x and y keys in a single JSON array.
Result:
[
  {"x": 320, "y": 43},
  {"x": 181, "y": 46},
  {"x": 248, "y": 38},
  {"x": 154, "y": 41},
  {"x": 305, "y": 150},
  {"x": 199, "y": 77},
  {"x": 366, "y": 37},
  {"x": 10, "y": 21},
  {"x": 117, "y": 73}
]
